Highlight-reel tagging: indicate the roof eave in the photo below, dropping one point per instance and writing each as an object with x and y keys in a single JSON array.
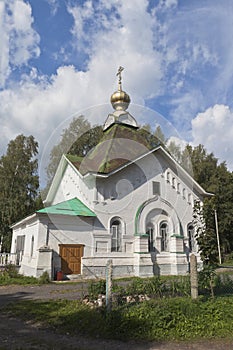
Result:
[{"x": 27, "y": 218}]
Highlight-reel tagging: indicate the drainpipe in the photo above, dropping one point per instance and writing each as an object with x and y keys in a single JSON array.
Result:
[{"x": 47, "y": 236}]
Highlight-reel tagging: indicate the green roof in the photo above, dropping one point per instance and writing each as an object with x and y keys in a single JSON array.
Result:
[
  {"x": 119, "y": 145},
  {"x": 73, "y": 207}
]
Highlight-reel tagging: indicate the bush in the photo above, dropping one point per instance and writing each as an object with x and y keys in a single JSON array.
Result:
[
  {"x": 223, "y": 284},
  {"x": 206, "y": 279},
  {"x": 137, "y": 286},
  {"x": 9, "y": 275},
  {"x": 44, "y": 278},
  {"x": 96, "y": 288},
  {"x": 11, "y": 271}
]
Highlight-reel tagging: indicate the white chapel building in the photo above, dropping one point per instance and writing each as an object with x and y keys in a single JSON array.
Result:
[{"x": 124, "y": 201}]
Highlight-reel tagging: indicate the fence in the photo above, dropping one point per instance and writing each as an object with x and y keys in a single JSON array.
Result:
[
  {"x": 7, "y": 258},
  {"x": 138, "y": 289}
]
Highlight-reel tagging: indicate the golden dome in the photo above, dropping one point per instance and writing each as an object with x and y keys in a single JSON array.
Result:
[{"x": 120, "y": 100}]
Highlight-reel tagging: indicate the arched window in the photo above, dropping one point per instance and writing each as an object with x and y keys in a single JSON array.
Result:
[
  {"x": 150, "y": 232},
  {"x": 163, "y": 230},
  {"x": 116, "y": 232},
  {"x": 191, "y": 237}
]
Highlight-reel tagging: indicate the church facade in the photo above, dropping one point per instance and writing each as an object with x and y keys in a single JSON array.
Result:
[{"x": 125, "y": 201}]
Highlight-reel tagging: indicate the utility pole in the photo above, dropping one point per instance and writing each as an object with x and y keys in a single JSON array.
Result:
[{"x": 217, "y": 234}]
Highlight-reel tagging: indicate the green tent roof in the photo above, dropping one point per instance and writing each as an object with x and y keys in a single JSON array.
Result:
[
  {"x": 73, "y": 207},
  {"x": 119, "y": 145}
]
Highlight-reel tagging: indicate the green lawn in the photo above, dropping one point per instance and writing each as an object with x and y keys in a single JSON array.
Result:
[{"x": 163, "y": 319}]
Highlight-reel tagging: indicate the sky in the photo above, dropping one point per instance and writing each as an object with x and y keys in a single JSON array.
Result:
[{"x": 59, "y": 59}]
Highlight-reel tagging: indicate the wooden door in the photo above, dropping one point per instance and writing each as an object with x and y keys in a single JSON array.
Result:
[{"x": 71, "y": 256}]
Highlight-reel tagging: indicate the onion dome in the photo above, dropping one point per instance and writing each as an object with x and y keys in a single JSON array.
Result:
[{"x": 120, "y": 101}]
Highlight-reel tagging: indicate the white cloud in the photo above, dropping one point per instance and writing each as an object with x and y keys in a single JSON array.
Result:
[
  {"x": 54, "y": 4},
  {"x": 177, "y": 141},
  {"x": 214, "y": 129},
  {"x": 4, "y": 46},
  {"x": 38, "y": 104},
  {"x": 19, "y": 41},
  {"x": 120, "y": 45},
  {"x": 81, "y": 14},
  {"x": 184, "y": 106}
]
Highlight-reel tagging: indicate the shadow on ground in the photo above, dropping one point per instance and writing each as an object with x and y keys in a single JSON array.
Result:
[{"x": 16, "y": 334}]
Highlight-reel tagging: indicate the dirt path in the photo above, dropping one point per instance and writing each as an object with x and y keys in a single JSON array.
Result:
[
  {"x": 18, "y": 335},
  {"x": 62, "y": 290}
]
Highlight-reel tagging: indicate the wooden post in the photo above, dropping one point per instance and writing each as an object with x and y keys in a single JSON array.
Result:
[
  {"x": 109, "y": 285},
  {"x": 217, "y": 234},
  {"x": 193, "y": 276}
]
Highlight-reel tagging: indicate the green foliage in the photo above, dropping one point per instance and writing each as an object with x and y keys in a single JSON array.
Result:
[
  {"x": 96, "y": 288},
  {"x": 137, "y": 286},
  {"x": 87, "y": 141},
  {"x": 11, "y": 271},
  {"x": 160, "y": 135},
  {"x": 19, "y": 184},
  {"x": 10, "y": 276},
  {"x": 175, "y": 151},
  {"x": 77, "y": 139},
  {"x": 203, "y": 220},
  {"x": 44, "y": 278},
  {"x": 222, "y": 186},
  {"x": 206, "y": 279},
  {"x": 214, "y": 178},
  {"x": 167, "y": 319},
  {"x": 223, "y": 284},
  {"x": 202, "y": 165},
  {"x": 155, "y": 287},
  {"x": 228, "y": 260}
]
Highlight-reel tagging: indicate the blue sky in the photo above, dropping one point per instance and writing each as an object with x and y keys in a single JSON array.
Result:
[{"x": 60, "y": 57}]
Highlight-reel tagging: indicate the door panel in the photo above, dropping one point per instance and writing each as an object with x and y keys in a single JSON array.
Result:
[{"x": 71, "y": 256}]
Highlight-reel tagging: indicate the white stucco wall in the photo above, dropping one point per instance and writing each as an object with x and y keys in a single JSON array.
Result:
[
  {"x": 123, "y": 193},
  {"x": 72, "y": 185},
  {"x": 29, "y": 229},
  {"x": 126, "y": 195}
]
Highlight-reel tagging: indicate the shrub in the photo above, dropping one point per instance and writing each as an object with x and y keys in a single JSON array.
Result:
[
  {"x": 44, "y": 278},
  {"x": 11, "y": 270},
  {"x": 223, "y": 284},
  {"x": 137, "y": 286},
  {"x": 96, "y": 288},
  {"x": 206, "y": 279}
]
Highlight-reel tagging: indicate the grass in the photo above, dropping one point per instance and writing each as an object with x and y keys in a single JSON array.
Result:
[
  {"x": 9, "y": 276},
  {"x": 167, "y": 319}
]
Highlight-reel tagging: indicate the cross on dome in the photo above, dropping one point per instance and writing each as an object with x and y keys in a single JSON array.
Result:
[{"x": 120, "y": 101}]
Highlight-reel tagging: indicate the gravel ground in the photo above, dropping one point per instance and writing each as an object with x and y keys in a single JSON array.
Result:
[{"x": 18, "y": 335}]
